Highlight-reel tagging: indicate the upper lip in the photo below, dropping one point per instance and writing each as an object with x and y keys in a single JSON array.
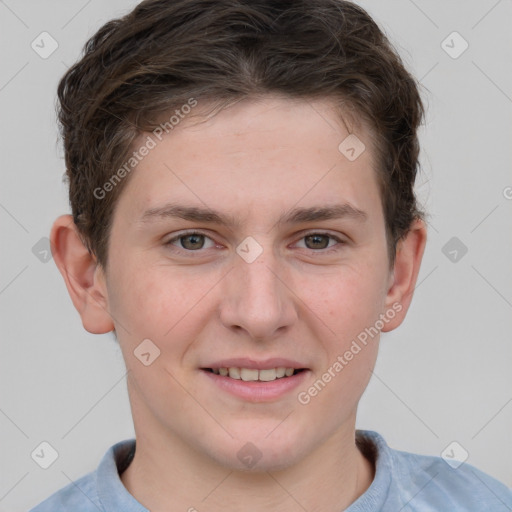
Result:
[{"x": 246, "y": 362}]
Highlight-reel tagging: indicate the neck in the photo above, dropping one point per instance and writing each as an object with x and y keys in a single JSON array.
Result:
[{"x": 167, "y": 472}]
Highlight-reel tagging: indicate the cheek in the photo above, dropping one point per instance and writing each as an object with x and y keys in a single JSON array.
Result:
[
  {"x": 350, "y": 302},
  {"x": 154, "y": 298},
  {"x": 350, "y": 309},
  {"x": 169, "y": 306}
]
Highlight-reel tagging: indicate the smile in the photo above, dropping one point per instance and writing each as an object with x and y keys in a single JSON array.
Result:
[
  {"x": 264, "y": 384},
  {"x": 253, "y": 374}
]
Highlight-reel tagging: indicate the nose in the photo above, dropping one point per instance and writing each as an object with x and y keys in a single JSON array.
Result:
[{"x": 258, "y": 298}]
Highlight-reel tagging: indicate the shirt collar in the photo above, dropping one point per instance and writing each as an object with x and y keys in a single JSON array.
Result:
[
  {"x": 112, "y": 493},
  {"x": 373, "y": 446}
]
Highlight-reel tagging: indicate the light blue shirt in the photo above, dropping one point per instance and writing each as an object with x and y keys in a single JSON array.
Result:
[{"x": 403, "y": 482}]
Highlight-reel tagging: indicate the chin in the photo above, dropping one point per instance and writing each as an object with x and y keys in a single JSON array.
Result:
[
  {"x": 260, "y": 455},
  {"x": 260, "y": 464}
]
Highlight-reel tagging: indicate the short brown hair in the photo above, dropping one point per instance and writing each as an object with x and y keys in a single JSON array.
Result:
[{"x": 164, "y": 52}]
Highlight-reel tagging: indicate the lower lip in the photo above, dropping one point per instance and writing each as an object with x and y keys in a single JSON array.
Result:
[{"x": 258, "y": 391}]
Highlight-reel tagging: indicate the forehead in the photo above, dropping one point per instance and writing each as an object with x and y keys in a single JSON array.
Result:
[{"x": 257, "y": 157}]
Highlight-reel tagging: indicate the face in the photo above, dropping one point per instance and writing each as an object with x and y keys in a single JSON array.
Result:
[{"x": 250, "y": 242}]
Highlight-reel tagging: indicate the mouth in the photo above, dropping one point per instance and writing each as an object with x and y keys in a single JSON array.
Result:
[
  {"x": 253, "y": 380},
  {"x": 254, "y": 374}
]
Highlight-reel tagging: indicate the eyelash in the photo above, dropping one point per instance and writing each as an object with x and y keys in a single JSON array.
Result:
[{"x": 169, "y": 243}]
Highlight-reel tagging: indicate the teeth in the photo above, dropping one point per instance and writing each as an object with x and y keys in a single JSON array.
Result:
[
  {"x": 252, "y": 374},
  {"x": 248, "y": 375},
  {"x": 267, "y": 375},
  {"x": 234, "y": 373}
]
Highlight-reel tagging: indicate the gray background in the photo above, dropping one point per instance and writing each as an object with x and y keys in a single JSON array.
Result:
[{"x": 443, "y": 376}]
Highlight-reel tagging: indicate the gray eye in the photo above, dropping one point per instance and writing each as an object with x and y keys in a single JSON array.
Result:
[
  {"x": 191, "y": 242},
  {"x": 317, "y": 241}
]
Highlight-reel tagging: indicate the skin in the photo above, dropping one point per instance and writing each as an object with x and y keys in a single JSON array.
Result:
[{"x": 255, "y": 161}]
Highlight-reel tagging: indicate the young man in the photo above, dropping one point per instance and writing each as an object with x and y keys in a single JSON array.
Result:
[{"x": 243, "y": 218}]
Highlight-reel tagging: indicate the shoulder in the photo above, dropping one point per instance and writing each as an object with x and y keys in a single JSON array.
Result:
[
  {"x": 462, "y": 487},
  {"x": 99, "y": 490},
  {"x": 430, "y": 483},
  {"x": 79, "y": 495}
]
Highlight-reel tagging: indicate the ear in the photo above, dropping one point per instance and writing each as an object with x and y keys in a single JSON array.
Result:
[
  {"x": 82, "y": 274},
  {"x": 409, "y": 254}
]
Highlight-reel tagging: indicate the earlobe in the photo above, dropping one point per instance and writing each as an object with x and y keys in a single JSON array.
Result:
[
  {"x": 83, "y": 276},
  {"x": 405, "y": 273}
]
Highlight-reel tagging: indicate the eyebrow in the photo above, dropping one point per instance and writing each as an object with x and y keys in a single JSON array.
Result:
[{"x": 295, "y": 216}]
